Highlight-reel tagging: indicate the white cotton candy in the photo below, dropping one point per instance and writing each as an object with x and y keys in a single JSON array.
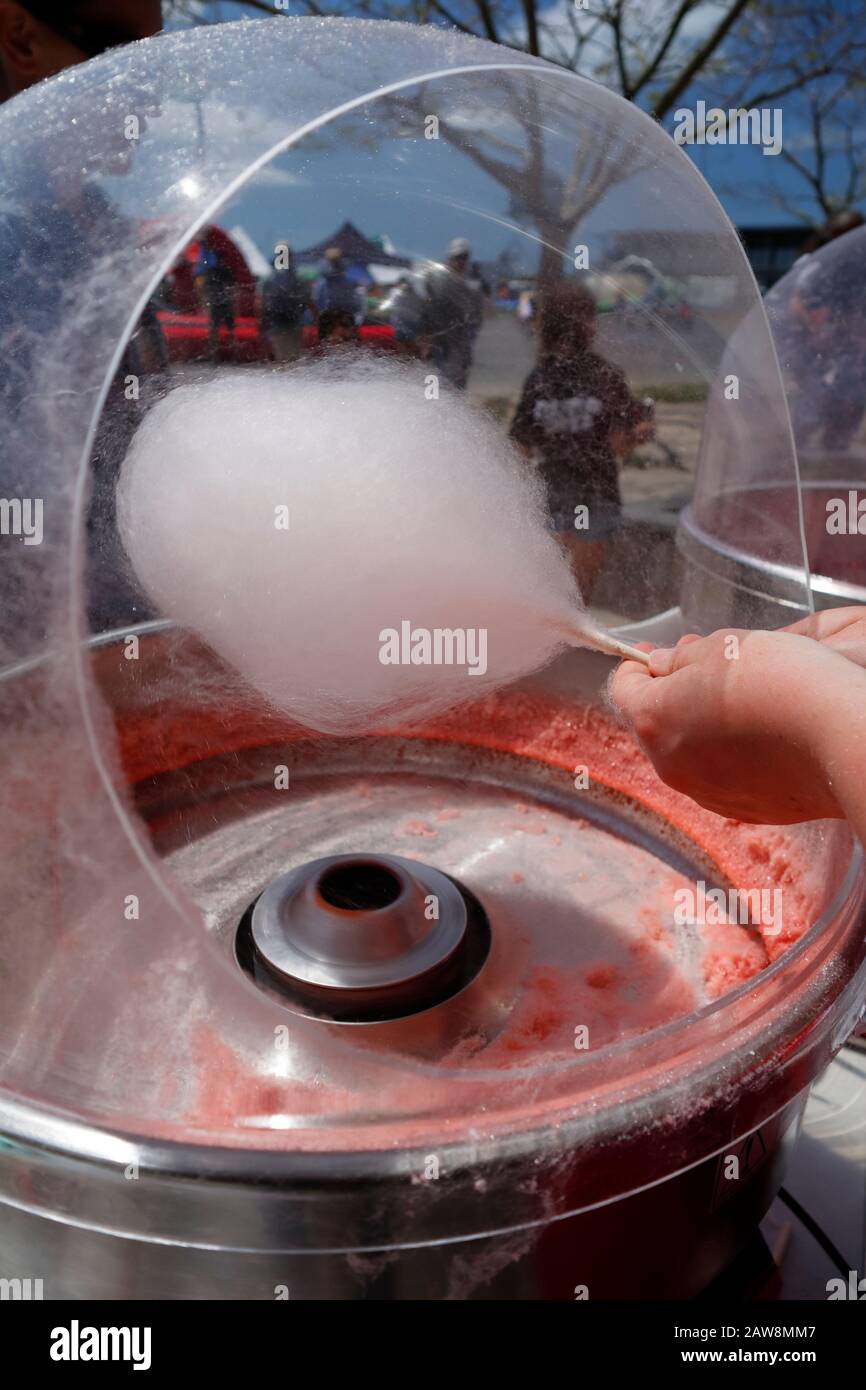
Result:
[{"x": 400, "y": 510}]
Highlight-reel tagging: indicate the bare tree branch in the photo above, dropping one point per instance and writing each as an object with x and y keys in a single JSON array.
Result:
[
  {"x": 676, "y": 88},
  {"x": 684, "y": 8},
  {"x": 809, "y": 53},
  {"x": 615, "y": 22},
  {"x": 531, "y": 17},
  {"x": 486, "y": 14}
]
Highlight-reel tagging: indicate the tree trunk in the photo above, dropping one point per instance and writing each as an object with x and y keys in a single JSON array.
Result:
[{"x": 552, "y": 262}]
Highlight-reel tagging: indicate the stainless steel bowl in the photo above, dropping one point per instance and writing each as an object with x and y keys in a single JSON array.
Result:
[
  {"x": 440, "y": 1178},
  {"x": 734, "y": 585}
]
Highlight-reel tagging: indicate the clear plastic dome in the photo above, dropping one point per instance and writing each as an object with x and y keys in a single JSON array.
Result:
[
  {"x": 818, "y": 316},
  {"x": 742, "y": 537},
  {"x": 754, "y": 525},
  {"x": 140, "y": 817}
]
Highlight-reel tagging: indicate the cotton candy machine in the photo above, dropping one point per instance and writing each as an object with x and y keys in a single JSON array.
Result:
[
  {"x": 440, "y": 1012},
  {"x": 741, "y": 540}
]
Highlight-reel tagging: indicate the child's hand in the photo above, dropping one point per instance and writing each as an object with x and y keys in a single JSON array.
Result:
[
  {"x": 735, "y": 721},
  {"x": 841, "y": 629}
]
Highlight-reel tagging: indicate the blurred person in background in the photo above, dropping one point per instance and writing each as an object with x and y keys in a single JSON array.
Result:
[
  {"x": 448, "y": 311},
  {"x": 283, "y": 305},
  {"x": 217, "y": 291},
  {"x": 335, "y": 288},
  {"x": 525, "y": 310},
  {"x": 404, "y": 309},
  {"x": 575, "y": 418}
]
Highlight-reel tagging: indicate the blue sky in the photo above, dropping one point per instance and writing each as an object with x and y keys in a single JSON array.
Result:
[{"x": 278, "y": 206}]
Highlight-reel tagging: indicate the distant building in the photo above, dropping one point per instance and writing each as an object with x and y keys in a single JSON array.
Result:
[{"x": 772, "y": 251}]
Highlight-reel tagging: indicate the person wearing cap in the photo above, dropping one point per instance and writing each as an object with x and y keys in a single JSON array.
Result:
[{"x": 450, "y": 315}]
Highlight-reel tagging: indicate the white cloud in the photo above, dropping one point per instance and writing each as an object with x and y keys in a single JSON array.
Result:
[{"x": 274, "y": 177}]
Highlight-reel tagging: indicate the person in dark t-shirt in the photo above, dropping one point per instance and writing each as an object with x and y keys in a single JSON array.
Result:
[{"x": 575, "y": 416}]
